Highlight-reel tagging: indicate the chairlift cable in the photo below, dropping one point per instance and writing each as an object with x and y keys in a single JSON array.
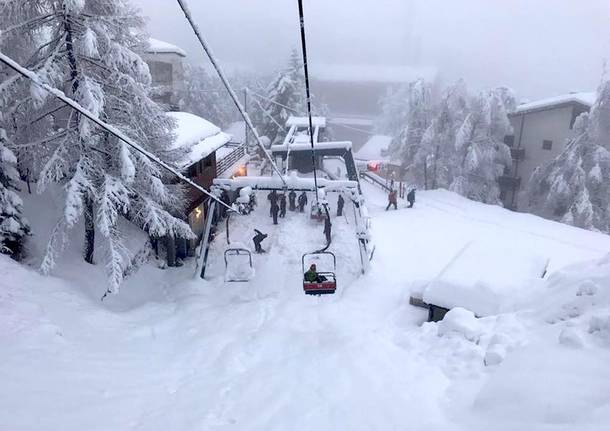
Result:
[
  {"x": 223, "y": 78},
  {"x": 32, "y": 76},
  {"x": 308, "y": 97}
]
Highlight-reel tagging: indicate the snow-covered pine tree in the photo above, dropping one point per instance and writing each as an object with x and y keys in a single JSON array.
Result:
[
  {"x": 438, "y": 142},
  {"x": 575, "y": 187},
  {"x": 204, "y": 95},
  {"x": 413, "y": 156},
  {"x": 287, "y": 90},
  {"x": 13, "y": 226},
  {"x": 88, "y": 49},
  {"x": 482, "y": 154}
]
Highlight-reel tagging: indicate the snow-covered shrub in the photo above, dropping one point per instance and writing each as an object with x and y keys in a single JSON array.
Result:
[{"x": 13, "y": 226}]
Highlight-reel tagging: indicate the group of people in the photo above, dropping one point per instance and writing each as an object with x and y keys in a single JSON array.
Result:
[
  {"x": 278, "y": 203},
  {"x": 393, "y": 199}
]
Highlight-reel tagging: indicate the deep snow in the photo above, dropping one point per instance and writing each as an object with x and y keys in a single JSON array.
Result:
[{"x": 172, "y": 352}]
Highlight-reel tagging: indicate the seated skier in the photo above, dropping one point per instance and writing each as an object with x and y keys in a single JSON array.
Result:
[{"x": 312, "y": 276}]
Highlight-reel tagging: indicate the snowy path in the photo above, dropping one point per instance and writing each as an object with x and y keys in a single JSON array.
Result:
[{"x": 261, "y": 355}]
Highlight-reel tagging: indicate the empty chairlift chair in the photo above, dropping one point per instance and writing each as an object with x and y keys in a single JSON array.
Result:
[
  {"x": 238, "y": 264},
  {"x": 326, "y": 282}
]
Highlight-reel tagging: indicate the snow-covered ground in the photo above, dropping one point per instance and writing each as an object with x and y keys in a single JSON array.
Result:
[{"x": 173, "y": 352}]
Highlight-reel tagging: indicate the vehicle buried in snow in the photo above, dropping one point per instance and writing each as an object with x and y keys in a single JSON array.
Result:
[{"x": 484, "y": 277}]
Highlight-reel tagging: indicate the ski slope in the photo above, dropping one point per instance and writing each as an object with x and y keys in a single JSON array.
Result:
[{"x": 173, "y": 352}]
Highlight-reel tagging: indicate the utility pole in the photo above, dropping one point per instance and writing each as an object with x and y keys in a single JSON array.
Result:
[{"x": 245, "y": 125}]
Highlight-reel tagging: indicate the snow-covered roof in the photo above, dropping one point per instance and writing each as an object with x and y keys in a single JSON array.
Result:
[
  {"x": 486, "y": 276},
  {"x": 587, "y": 99},
  {"x": 304, "y": 121},
  {"x": 373, "y": 148},
  {"x": 237, "y": 130},
  {"x": 372, "y": 73},
  {"x": 156, "y": 46},
  {"x": 197, "y": 136}
]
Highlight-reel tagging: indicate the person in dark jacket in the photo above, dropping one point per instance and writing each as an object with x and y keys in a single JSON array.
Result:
[
  {"x": 275, "y": 210},
  {"x": 327, "y": 229},
  {"x": 392, "y": 200},
  {"x": 258, "y": 239},
  {"x": 272, "y": 198},
  {"x": 411, "y": 198},
  {"x": 292, "y": 197},
  {"x": 302, "y": 201},
  {"x": 340, "y": 203},
  {"x": 282, "y": 205}
]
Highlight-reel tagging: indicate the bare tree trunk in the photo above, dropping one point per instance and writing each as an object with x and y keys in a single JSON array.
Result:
[
  {"x": 170, "y": 248},
  {"x": 89, "y": 247},
  {"x": 426, "y": 174},
  {"x": 89, "y": 232}
]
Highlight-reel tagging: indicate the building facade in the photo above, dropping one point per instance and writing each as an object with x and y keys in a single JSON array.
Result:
[
  {"x": 166, "y": 64},
  {"x": 541, "y": 131}
]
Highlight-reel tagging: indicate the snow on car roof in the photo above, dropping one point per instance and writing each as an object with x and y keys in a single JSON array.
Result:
[
  {"x": 485, "y": 276},
  {"x": 587, "y": 99},
  {"x": 373, "y": 73},
  {"x": 196, "y": 135},
  {"x": 156, "y": 46},
  {"x": 373, "y": 148}
]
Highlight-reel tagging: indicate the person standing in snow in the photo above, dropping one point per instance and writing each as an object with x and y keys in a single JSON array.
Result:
[
  {"x": 292, "y": 197},
  {"x": 392, "y": 200},
  {"x": 411, "y": 198},
  {"x": 272, "y": 198},
  {"x": 327, "y": 229},
  {"x": 302, "y": 201},
  {"x": 282, "y": 205},
  {"x": 340, "y": 203},
  {"x": 275, "y": 209},
  {"x": 258, "y": 239}
]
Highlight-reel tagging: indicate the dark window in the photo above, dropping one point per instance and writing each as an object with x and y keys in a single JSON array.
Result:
[
  {"x": 192, "y": 171},
  {"x": 160, "y": 72},
  {"x": 547, "y": 145},
  {"x": 509, "y": 140},
  {"x": 207, "y": 162}
]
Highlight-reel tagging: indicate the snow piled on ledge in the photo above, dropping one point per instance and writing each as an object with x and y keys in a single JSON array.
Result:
[
  {"x": 156, "y": 46},
  {"x": 587, "y": 99}
]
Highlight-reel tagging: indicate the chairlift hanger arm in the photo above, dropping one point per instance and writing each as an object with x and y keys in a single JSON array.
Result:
[
  {"x": 109, "y": 128},
  {"x": 308, "y": 93}
]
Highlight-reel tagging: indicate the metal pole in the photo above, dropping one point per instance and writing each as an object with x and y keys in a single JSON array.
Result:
[{"x": 246, "y": 110}]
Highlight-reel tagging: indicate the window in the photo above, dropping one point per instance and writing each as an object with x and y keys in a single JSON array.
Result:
[
  {"x": 547, "y": 145},
  {"x": 161, "y": 73},
  {"x": 509, "y": 140}
]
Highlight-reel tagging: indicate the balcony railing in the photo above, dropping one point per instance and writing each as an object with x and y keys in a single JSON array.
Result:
[{"x": 230, "y": 159}]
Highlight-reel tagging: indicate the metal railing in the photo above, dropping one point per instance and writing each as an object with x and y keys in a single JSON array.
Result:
[{"x": 230, "y": 159}]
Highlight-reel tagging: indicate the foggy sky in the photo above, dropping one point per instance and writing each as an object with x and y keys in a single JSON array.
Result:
[{"x": 538, "y": 47}]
